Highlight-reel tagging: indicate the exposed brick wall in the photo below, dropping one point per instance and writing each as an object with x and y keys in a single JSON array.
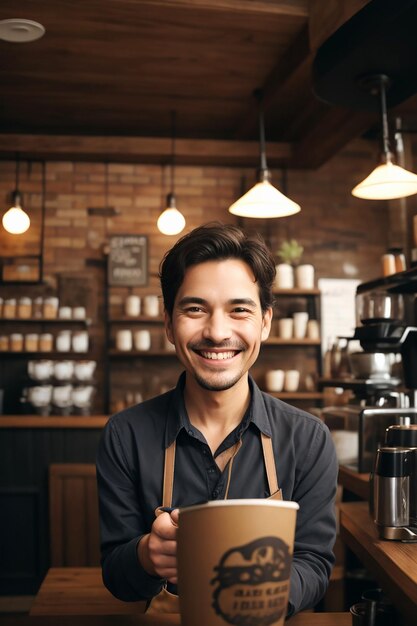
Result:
[{"x": 342, "y": 236}]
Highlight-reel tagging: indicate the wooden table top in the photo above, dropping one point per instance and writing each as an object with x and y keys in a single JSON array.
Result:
[
  {"x": 354, "y": 482},
  {"x": 394, "y": 564},
  {"x": 78, "y": 596}
]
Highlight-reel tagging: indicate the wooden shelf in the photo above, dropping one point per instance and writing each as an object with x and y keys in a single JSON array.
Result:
[
  {"x": 140, "y": 353},
  {"x": 296, "y": 395},
  {"x": 278, "y": 341},
  {"x": 140, "y": 319},
  {"x": 53, "y": 421},
  {"x": 43, "y": 320},
  {"x": 53, "y": 354},
  {"x": 296, "y": 291}
]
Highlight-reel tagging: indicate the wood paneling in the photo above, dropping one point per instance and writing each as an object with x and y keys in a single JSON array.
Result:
[{"x": 73, "y": 522}]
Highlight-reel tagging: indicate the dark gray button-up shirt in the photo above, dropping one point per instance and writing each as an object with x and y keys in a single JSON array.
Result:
[{"x": 130, "y": 465}]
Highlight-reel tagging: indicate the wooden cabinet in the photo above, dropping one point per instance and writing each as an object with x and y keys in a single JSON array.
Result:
[{"x": 28, "y": 446}]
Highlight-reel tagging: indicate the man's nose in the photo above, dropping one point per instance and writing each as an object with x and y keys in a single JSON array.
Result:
[{"x": 217, "y": 327}]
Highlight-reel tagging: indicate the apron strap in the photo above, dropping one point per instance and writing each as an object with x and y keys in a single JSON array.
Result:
[
  {"x": 269, "y": 460},
  {"x": 168, "y": 486},
  {"x": 271, "y": 471}
]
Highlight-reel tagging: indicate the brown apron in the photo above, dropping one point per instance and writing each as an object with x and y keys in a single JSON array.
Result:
[{"x": 166, "y": 602}]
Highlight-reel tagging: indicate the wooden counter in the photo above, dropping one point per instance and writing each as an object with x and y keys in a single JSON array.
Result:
[
  {"x": 354, "y": 482},
  {"x": 53, "y": 421},
  {"x": 72, "y": 593},
  {"x": 393, "y": 564}
]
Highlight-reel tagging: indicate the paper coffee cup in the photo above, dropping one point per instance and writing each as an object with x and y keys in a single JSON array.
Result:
[{"x": 234, "y": 562}]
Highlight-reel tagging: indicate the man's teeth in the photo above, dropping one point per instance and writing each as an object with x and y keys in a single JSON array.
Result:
[{"x": 218, "y": 356}]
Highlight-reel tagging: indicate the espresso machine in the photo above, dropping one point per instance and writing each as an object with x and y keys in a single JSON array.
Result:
[{"x": 380, "y": 370}]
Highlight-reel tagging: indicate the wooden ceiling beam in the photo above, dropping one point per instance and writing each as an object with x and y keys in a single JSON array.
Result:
[
  {"x": 295, "y": 58},
  {"x": 141, "y": 150},
  {"x": 294, "y": 8}
]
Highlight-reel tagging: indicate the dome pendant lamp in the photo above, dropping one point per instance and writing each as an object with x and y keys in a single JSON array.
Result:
[
  {"x": 263, "y": 200},
  {"x": 15, "y": 221},
  {"x": 387, "y": 181},
  {"x": 171, "y": 221}
]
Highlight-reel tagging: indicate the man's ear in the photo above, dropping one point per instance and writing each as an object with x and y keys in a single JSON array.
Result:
[
  {"x": 168, "y": 327},
  {"x": 266, "y": 324}
]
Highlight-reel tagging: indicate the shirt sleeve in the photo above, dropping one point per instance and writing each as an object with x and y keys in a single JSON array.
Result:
[
  {"x": 121, "y": 522},
  {"x": 315, "y": 492}
]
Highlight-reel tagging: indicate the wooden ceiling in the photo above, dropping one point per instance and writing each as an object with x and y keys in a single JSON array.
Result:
[{"x": 103, "y": 80}]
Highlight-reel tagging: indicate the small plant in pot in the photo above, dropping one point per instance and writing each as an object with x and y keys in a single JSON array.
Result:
[{"x": 291, "y": 271}]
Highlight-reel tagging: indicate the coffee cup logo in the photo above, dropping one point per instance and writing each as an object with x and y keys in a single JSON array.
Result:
[{"x": 252, "y": 583}]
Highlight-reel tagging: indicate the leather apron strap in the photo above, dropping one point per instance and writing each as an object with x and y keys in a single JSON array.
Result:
[
  {"x": 168, "y": 485},
  {"x": 269, "y": 460}
]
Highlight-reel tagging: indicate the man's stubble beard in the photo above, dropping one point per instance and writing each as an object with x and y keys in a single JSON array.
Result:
[{"x": 220, "y": 386}]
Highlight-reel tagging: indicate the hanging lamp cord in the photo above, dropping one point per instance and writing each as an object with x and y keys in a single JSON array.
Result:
[
  {"x": 173, "y": 136},
  {"x": 384, "y": 115},
  {"x": 263, "y": 173}
]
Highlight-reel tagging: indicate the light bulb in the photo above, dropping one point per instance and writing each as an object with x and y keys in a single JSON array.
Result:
[
  {"x": 171, "y": 222},
  {"x": 16, "y": 221}
]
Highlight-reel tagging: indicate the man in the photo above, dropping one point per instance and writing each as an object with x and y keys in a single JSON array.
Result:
[{"x": 217, "y": 291}]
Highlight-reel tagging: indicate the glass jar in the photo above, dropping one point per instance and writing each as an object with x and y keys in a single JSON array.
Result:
[
  {"x": 4, "y": 343},
  {"x": 31, "y": 342},
  {"x": 16, "y": 342},
  {"x": 46, "y": 342},
  {"x": 50, "y": 308},
  {"x": 9, "y": 308},
  {"x": 1, "y": 307},
  {"x": 24, "y": 308},
  {"x": 37, "y": 308}
]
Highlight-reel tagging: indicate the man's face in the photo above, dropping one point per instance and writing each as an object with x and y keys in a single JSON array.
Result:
[{"x": 217, "y": 324}]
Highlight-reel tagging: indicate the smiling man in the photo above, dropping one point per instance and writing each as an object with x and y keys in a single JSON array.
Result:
[{"x": 213, "y": 436}]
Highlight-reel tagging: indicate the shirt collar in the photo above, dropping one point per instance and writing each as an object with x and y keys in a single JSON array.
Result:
[{"x": 177, "y": 417}]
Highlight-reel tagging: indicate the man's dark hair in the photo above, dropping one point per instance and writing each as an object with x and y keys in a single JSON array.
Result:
[{"x": 216, "y": 242}]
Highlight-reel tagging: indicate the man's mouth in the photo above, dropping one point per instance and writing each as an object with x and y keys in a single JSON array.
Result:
[{"x": 217, "y": 356}]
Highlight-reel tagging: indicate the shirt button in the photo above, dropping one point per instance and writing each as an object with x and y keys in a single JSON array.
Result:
[
  {"x": 205, "y": 452},
  {"x": 190, "y": 432},
  {"x": 211, "y": 470},
  {"x": 215, "y": 493}
]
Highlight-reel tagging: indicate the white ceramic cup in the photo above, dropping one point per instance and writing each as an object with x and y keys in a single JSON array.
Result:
[
  {"x": 63, "y": 370},
  {"x": 284, "y": 278},
  {"x": 84, "y": 370},
  {"x": 40, "y": 396},
  {"x": 79, "y": 313},
  {"x": 304, "y": 276},
  {"x": 291, "y": 380},
  {"x": 62, "y": 396},
  {"x": 300, "y": 324},
  {"x": 151, "y": 305},
  {"x": 286, "y": 327},
  {"x": 63, "y": 341},
  {"x": 142, "y": 340},
  {"x": 132, "y": 305},
  {"x": 65, "y": 312},
  {"x": 80, "y": 341},
  {"x": 124, "y": 340},
  {"x": 274, "y": 380}
]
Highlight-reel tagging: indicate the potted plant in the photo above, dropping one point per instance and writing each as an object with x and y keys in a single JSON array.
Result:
[{"x": 291, "y": 271}]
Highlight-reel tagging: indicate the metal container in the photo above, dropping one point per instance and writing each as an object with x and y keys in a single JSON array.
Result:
[
  {"x": 392, "y": 487},
  {"x": 377, "y": 365}
]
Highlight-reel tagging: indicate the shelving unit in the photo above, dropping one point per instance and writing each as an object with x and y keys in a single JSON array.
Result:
[
  {"x": 279, "y": 353},
  {"x": 13, "y": 363}
]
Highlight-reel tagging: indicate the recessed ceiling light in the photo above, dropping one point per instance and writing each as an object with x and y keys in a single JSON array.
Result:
[{"x": 18, "y": 30}]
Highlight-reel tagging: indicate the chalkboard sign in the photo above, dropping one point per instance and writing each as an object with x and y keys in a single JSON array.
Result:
[{"x": 128, "y": 260}]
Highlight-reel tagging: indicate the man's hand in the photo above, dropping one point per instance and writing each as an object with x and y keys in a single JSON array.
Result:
[{"x": 157, "y": 551}]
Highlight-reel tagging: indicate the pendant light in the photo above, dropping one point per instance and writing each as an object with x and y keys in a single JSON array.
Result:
[
  {"x": 387, "y": 181},
  {"x": 15, "y": 220},
  {"x": 171, "y": 221},
  {"x": 263, "y": 200}
]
